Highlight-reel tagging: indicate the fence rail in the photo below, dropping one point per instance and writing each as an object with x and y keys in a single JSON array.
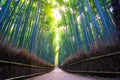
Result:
[
  {"x": 95, "y": 72},
  {"x": 25, "y": 76},
  {"x": 93, "y": 58},
  {"x": 21, "y": 64},
  {"x": 41, "y": 70}
]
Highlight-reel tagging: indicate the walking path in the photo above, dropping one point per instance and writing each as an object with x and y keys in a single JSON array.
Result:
[{"x": 58, "y": 74}]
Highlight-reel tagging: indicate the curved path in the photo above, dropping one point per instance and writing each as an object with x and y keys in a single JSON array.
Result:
[{"x": 58, "y": 74}]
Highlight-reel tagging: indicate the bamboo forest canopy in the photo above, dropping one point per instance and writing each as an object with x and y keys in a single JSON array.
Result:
[{"x": 55, "y": 29}]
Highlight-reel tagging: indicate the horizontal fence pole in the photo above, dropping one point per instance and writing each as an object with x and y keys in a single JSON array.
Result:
[
  {"x": 92, "y": 58},
  {"x": 21, "y": 64},
  {"x": 25, "y": 76},
  {"x": 99, "y": 72}
]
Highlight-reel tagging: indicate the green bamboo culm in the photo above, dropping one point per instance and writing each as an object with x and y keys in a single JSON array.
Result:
[
  {"x": 89, "y": 23},
  {"x": 31, "y": 25},
  {"x": 21, "y": 25}
]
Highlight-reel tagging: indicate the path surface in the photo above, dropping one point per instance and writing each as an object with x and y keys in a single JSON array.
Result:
[{"x": 58, "y": 74}]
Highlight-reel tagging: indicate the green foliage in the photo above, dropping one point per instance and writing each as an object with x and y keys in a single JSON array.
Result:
[
  {"x": 83, "y": 23},
  {"x": 28, "y": 25},
  {"x": 56, "y": 27}
]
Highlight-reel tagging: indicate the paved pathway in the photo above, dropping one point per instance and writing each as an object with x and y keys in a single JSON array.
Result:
[{"x": 58, "y": 74}]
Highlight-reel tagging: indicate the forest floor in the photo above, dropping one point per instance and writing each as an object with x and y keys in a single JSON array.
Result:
[{"x": 58, "y": 74}]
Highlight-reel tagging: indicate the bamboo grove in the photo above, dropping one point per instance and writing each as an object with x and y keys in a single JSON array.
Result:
[
  {"x": 26, "y": 24},
  {"x": 87, "y": 24},
  {"x": 83, "y": 24}
]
